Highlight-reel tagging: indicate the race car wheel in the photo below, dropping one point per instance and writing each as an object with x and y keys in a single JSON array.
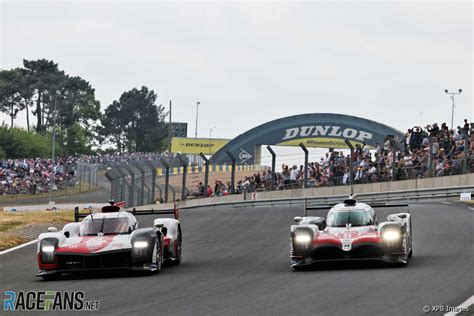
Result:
[
  {"x": 299, "y": 268},
  {"x": 410, "y": 254},
  {"x": 179, "y": 243},
  {"x": 158, "y": 257}
]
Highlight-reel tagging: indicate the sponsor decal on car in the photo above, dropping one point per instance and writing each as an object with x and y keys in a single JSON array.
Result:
[{"x": 346, "y": 243}]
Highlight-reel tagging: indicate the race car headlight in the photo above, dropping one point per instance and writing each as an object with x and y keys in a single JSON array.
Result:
[
  {"x": 302, "y": 238},
  {"x": 391, "y": 235},
  {"x": 140, "y": 244},
  {"x": 47, "y": 249}
]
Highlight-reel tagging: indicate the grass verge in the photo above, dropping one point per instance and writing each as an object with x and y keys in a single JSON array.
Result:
[
  {"x": 9, "y": 241},
  {"x": 11, "y": 222}
]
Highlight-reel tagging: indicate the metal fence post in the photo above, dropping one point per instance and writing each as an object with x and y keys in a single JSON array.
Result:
[
  {"x": 79, "y": 171},
  {"x": 206, "y": 173},
  {"x": 273, "y": 165},
  {"x": 167, "y": 177},
  {"x": 394, "y": 152},
  {"x": 305, "y": 177},
  {"x": 184, "y": 164},
  {"x": 173, "y": 191},
  {"x": 90, "y": 173},
  {"x": 141, "y": 197},
  {"x": 232, "y": 174},
  {"x": 123, "y": 196},
  {"x": 113, "y": 176},
  {"x": 351, "y": 169},
  {"x": 466, "y": 153},
  {"x": 131, "y": 197},
  {"x": 153, "y": 180}
]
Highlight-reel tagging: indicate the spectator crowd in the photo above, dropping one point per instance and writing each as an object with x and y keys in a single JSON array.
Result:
[
  {"x": 33, "y": 176},
  {"x": 110, "y": 160}
]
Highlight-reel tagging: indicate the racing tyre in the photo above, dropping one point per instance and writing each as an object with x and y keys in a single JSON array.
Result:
[
  {"x": 298, "y": 268},
  {"x": 158, "y": 257},
  {"x": 401, "y": 264},
  {"x": 179, "y": 243}
]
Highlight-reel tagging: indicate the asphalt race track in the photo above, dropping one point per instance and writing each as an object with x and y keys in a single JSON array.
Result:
[{"x": 235, "y": 261}]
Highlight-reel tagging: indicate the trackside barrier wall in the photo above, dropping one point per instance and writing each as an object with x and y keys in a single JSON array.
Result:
[{"x": 431, "y": 189}]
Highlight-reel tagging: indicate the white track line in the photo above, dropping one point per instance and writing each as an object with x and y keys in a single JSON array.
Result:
[
  {"x": 18, "y": 247},
  {"x": 460, "y": 307}
]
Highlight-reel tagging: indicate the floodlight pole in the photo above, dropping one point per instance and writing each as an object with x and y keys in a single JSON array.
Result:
[
  {"x": 184, "y": 164},
  {"x": 452, "y": 104},
  {"x": 206, "y": 172},
  {"x": 197, "y": 116},
  {"x": 169, "y": 132}
]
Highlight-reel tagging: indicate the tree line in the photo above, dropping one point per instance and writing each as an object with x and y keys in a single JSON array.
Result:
[{"x": 132, "y": 123}]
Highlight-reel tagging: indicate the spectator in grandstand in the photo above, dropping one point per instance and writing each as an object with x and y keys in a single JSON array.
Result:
[
  {"x": 200, "y": 190},
  {"x": 209, "y": 191},
  {"x": 217, "y": 188},
  {"x": 285, "y": 173},
  {"x": 220, "y": 189},
  {"x": 294, "y": 173}
]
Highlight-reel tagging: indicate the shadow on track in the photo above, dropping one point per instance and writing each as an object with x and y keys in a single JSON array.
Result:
[
  {"x": 347, "y": 265},
  {"x": 108, "y": 274}
]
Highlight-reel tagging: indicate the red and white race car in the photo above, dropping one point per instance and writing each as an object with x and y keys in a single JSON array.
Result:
[
  {"x": 110, "y": 240},
  {"x": 351, "y": 232}
]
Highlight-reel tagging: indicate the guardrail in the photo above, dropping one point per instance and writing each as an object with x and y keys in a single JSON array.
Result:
[{"x": 419, "y": 196}]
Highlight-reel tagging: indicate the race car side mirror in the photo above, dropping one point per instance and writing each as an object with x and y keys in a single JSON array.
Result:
[
  {"x": 52, "y": 229},
  {"x": 297, "y": 219}
]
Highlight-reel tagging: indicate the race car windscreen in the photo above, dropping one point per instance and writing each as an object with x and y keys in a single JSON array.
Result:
[
  {"x": 355, "y": 218},
  {"x": 107, "y": 226}
]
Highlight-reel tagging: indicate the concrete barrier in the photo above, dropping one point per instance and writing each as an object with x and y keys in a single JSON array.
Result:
[{"x": 404, "y": 185}]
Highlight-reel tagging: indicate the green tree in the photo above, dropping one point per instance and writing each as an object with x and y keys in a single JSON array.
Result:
[
  {"x": 113, "y": 126},
  {"x": 10, "y": 93},
  {"x": 19, "y": 143},
  {"x": 43, "y": 75},
  {"x": 135, "y": 122},
  {"x": 67, "y": 102},
  {"x": 75, "y": 113}
]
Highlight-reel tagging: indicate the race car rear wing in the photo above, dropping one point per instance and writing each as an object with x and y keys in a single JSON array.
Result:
[{"x": 175, "y": 211}]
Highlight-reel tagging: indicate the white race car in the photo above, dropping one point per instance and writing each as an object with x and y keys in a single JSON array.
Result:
[{"x": 110, "y": 240}]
